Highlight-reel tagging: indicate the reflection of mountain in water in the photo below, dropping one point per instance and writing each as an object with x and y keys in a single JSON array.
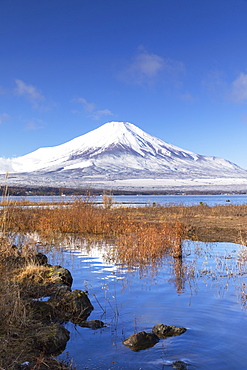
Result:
[{"x": 216, "y": 264}]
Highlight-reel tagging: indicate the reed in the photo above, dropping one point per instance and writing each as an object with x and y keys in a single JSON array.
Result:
[{"x": 140, "y": 235}]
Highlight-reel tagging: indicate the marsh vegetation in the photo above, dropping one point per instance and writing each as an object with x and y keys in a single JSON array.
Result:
[{"x": 140, "y": 236}]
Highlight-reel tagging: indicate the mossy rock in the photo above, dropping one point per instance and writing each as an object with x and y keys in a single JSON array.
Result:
[
  {"x": 16, "y": 262},
  {"x": 74, "y": 306},
  {"x": 51, "y": 339},
  {"x": 164, "y": 331},
  {"x": 141, "y": 340},
  {"x": 44, "y": 281},
  {"x": 92, "y": 324},
  {"x": 38, "y": 259},
  {"x": 180, "y": 365},
  {"x": 60, "y": 275},
  {"x": 43, "y": 312}
]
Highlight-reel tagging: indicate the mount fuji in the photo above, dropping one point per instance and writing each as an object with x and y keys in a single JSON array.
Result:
[{"x": 116, "y": 151}]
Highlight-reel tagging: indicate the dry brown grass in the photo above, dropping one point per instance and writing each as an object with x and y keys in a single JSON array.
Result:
[
  {"x": 137, "y": 232},
  {"x": 137, "y": 241},
  {"x": 201, "y": 222},
  {"x": 145, "y": 243},
  {"x": 141, "y": 235},
  {"x": 16, "y": 321},
  {"x": 18, "y": 326},
  {"x": 153, "y": 226}
]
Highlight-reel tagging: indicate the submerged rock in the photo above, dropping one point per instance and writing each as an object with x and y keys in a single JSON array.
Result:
[
  {"x": 180, "y": 365},
  {"x": 141, "y": 340},
  {"x": 92, "y": 324},
  {"x": 163, "y": 331}
]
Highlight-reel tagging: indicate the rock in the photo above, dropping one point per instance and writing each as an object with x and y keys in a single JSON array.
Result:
[
  {"x": 92, "y": 324},
  {"x": 43, "y": 312},
  {"x": 53, "y": 280},
  {"x": 180, "y": 365},
  {"x": 60, "y": 275},
  {"x": 141, "y": 340},
  {"x": 163, "y": 331},
  {"x": 20, "y": 261},
  {"x": 51, "y": 340},
  {"x": 72, "y": 306},
  {"x": 15, "y": 262},
  {"x": 38, "y": 259}
]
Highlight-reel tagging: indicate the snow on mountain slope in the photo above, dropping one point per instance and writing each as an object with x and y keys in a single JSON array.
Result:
[{"x": 119, "y": 150}]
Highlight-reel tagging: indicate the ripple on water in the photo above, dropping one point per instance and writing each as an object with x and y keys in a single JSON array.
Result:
[{"x": 198, "y": 293}]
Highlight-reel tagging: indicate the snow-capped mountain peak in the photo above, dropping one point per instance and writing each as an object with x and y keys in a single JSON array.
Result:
[{"x": 119, "y": 150}]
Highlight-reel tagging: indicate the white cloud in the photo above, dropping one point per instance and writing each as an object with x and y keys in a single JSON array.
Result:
[
  {"x": 97, "y": 114},
  {"x": 146, "y": 68},
  {"x": 239, "y": 89},
  {"x": 87, "y": 106},
  {"x": 214, "y": 82},
  {"x": 35, "y": 124},
  {"x": 91, "y": 108},
  {"x": 28, "y": 91},
  {"x": 33, "y": 95},
  {"x": 187, "y": 97},
  {"x": 4, "y": 117}
]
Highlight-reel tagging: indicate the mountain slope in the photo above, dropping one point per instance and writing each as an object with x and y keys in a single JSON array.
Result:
[{"x": 119, "y": 150}]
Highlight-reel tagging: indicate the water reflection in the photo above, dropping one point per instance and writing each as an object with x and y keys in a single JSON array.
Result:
[
  {"x": 203, "y": 291},
  {"x": 216, "y": 265},
  {"x": 179, "y": 274}
]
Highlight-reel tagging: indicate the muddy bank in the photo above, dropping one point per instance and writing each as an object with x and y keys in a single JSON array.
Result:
[
  {"x": 226, "y": 223},
  {"x": 217, "y": 234}
]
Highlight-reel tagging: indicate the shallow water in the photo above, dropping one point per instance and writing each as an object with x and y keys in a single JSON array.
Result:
[
  {"x": 210, "y": 200},
  {"x": 205, "y": 292}
]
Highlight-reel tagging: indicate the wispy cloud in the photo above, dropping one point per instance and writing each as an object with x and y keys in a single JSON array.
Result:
[
  {"x": 97, "y": 114},
  {"x": 4, "y": 117},
  {"x": 92, "y": 110},
  {"x": 90, "y": 107},
  {"x": 29, "y": 92},
  {"x": 215, "y": 85},
  {"x": 35, "y": 124},
  {"x": 33, "y": 95},
  {"x": 148, "y": 68},
  {"x": 187, "y": 97},
  {"x": 239, "y": 89}
]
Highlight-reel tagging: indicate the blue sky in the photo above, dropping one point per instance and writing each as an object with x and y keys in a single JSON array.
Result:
[{"x": 175, "y": 68}]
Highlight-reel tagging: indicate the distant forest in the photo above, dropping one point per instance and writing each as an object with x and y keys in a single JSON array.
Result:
[{"x": 53, "y": 191}]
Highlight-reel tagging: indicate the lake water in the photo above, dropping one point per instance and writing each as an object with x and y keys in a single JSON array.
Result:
[
  {"x": 210, "y": 200},
  {"x": 204, "y": 292}
]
